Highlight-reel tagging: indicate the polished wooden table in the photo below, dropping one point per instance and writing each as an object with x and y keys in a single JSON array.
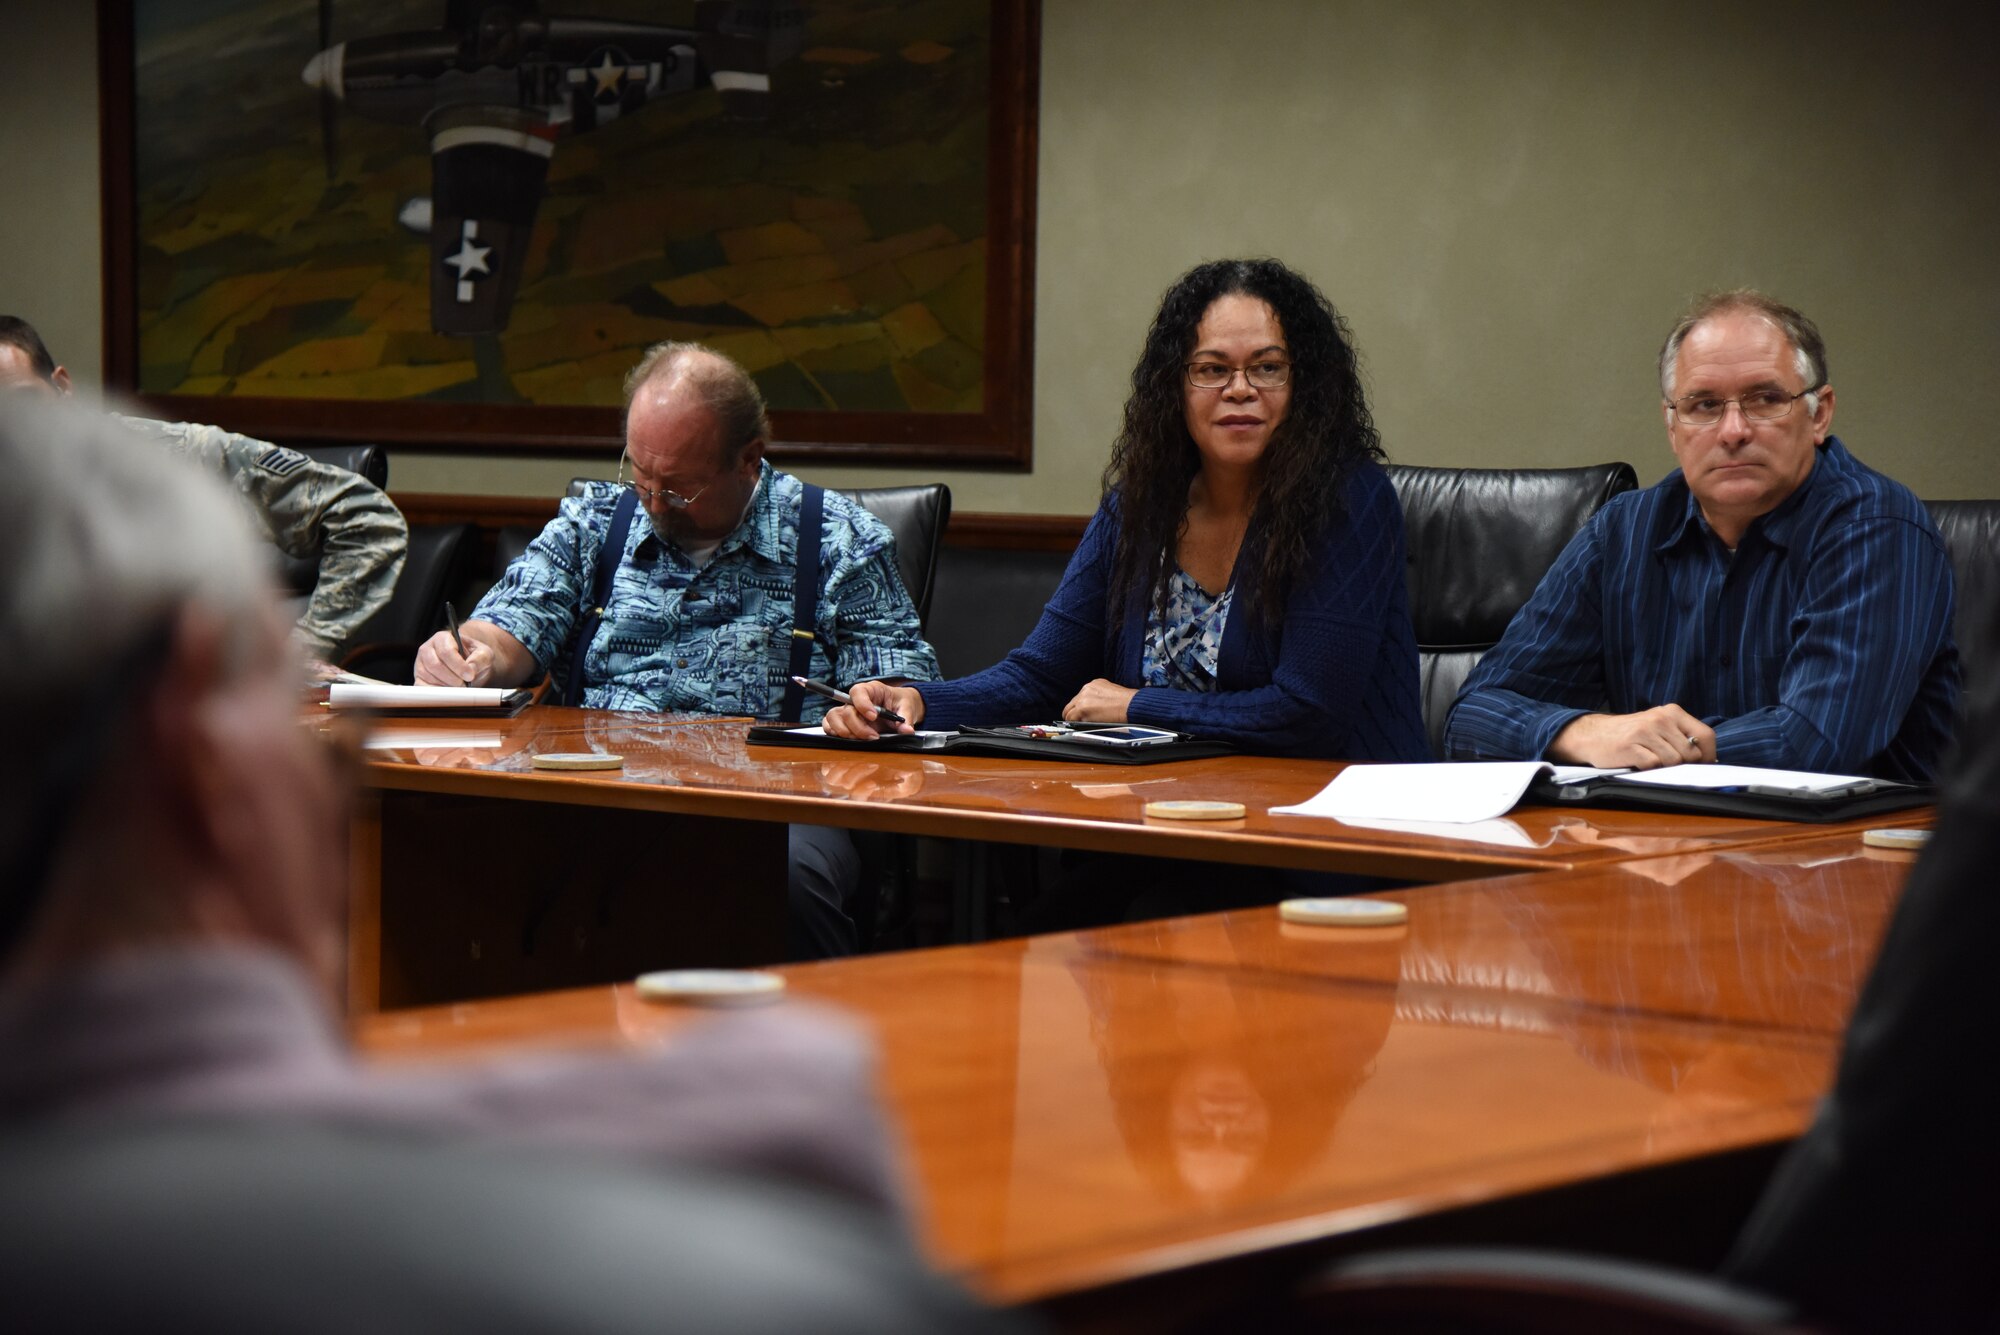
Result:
[
  {"x": 475, "y": 874},
  {"x": 1232, "y": 1098},
  {"x": 704, "y": 768}
]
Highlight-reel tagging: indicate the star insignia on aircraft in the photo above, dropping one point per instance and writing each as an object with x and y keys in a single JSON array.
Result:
[
  {"x": 608, "y": 74},
  {"x": 470, "y": 259}
]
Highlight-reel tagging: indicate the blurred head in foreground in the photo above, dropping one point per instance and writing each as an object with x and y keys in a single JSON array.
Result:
[{"x": 160, "y": 788}]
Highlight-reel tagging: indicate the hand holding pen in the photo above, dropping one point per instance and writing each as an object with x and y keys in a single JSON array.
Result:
[
  {"x": 448, "y": 658},
  {"x": 866, "y": 706}
]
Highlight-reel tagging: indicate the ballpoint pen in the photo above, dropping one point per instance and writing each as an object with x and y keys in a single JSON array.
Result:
[
  {"x": 451, "y": 619},
  {"x": 840, "y": 697}
]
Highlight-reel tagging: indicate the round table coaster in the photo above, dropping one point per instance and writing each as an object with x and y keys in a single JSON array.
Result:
[
  {"x": 1344, "y": 912},
  {"x": 577, "y": 760},
  {"x": 712, "y": 987},
  {"x": 1181, "y": 809},
  {"x": 1908, "y": 841}
]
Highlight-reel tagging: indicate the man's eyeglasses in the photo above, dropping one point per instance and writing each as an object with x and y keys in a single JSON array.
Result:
[
  {"x": 1762, "y": 405},
  {"x": 672, "y": 499},
  {"x": 1260, "y": 375}
]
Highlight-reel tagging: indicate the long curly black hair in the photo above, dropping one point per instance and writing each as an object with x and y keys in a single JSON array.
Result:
[{"x": 1326, "y": 433}]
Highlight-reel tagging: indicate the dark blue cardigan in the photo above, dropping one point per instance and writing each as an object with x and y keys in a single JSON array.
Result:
[{"x": 1335, "y": 678}]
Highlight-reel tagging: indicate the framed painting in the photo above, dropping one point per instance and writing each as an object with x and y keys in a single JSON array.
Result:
[{"x": 457, "y": 223}]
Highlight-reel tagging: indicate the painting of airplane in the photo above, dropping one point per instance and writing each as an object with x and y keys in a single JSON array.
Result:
[{"x": 499, "y": 84}]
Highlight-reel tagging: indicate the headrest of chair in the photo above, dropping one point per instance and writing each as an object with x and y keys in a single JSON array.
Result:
[
  {"x": 1972, "y": 536},
  {"x": 917, "y": 516},
  {"x": 371, "y": 461},
  {"x": 1480, "y": 540}
]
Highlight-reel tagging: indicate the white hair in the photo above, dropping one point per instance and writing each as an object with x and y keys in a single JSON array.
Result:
[{"x": 102, "y": 536}]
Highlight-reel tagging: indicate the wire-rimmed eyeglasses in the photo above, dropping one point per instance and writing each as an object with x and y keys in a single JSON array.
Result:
[
  {"x": 672, "y": 499},
  {"x": 1266, "y": 374},
  {"x": 1761, "y": 405}
]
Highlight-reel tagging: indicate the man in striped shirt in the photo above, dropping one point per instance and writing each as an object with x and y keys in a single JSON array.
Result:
[{"x": 1772, "y": 602}]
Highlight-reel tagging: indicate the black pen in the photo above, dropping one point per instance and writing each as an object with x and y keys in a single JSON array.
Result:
[
  {"x": 451, "y": 619},
  {"x": 840, "y": 697}
]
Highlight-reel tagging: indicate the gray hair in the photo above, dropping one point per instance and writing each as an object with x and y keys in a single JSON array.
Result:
[
  {"x": 1808, "y": 348},
  {"x": 102, "y": 536},
  {"x": 726, "y": 390}
]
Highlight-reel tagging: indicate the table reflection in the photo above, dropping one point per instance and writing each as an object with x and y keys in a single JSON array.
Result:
[{"x": 1223, "y": 1086}]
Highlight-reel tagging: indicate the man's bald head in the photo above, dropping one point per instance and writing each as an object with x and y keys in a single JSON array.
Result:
[{"x": 722, "y": 386}]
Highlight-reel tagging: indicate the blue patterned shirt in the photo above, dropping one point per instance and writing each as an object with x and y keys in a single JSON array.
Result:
[
  {"x": 715, "y": 638},
  {"x": 1183, "y": 650},
  {"x": 1823, "y": 644}
]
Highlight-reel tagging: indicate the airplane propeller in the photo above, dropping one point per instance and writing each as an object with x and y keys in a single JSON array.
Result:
[{"x": 329, "y": 105}]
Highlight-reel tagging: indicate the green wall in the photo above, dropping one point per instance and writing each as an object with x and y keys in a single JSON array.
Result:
[{"x": 1509, "y": 201}]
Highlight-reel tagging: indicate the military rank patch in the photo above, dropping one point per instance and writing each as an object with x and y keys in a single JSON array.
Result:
[{"x": 281, "y": 461}]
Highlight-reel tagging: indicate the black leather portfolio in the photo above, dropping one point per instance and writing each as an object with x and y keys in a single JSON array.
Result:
[
  {"x": 1014, "y": 743},
  {"x": 1864, "y": 797}
]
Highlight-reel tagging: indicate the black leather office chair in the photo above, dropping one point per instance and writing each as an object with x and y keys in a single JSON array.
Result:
[
  {"x": 371, "y": 461},
  {"x": 1508, "y": 1291},
  {"x": 234, "y": 1228},
  {"x": 915, "y": 515},
  {"x": 1972, "y": 535},
  {"x": 439, "y": 563},
  {"x": 994, "y": 600},
  {"x": 1480, "y": 540}
]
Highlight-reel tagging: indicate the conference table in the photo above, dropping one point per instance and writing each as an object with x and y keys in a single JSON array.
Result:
[
  {"x": 476, "y": 874},
  {"x": 1142, "y": 1124}
]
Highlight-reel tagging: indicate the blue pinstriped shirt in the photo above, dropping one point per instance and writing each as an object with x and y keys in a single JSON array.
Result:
[{"x": 1823, "y": 644}]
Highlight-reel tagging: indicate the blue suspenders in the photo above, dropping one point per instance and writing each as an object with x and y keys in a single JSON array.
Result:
[
  {"x": 608, "y": 557},
  {"x": 805, "y": 596},
  {"x": 805, "y": 601}
]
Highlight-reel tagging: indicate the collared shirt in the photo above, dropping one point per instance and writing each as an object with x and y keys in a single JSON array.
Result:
[
  {"x": 311, "y": 511},
  {"x": 1824, "y": 643},
  {"x": 714, "y": 638}
]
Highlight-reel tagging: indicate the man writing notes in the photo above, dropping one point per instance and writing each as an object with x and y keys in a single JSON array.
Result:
[
  {"x": 701, "y": 601},
  {"x": 1773, "y": 602},
  {"x": 308, "y": 510}
]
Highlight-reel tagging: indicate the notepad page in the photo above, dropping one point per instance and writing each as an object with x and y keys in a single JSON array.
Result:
[
  {"x": 1742, "y": 776},
  {"x": 344, "y": 695},
  {"x": 1503, "y": 832},
  {"x": 1456, "y": 793}
]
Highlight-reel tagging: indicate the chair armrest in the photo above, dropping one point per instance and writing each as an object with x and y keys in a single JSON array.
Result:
[{"x": 1496, "y": 1290}]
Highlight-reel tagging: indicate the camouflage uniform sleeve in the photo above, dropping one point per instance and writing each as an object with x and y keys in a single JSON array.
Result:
[
  {"x": 875, "y": 631},
  {"x": 312, "y": 511}
]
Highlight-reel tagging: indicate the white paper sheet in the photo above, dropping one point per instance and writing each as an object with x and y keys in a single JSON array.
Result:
[
  {"x": 1458, "y": 793},
  {"x": 1503, "y": 831},
  {"x": 1742, "y": 776},
  {"x": 345, "y": 695}
]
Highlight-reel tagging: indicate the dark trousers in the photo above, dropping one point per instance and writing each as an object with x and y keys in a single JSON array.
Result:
[{"x": 823, "y": 874}]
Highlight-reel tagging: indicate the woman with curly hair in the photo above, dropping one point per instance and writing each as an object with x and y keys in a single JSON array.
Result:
[{"x": 1243, "y": 577}]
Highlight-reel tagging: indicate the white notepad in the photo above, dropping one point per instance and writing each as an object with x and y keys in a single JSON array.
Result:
[{"x": 1454, "y": 793}]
